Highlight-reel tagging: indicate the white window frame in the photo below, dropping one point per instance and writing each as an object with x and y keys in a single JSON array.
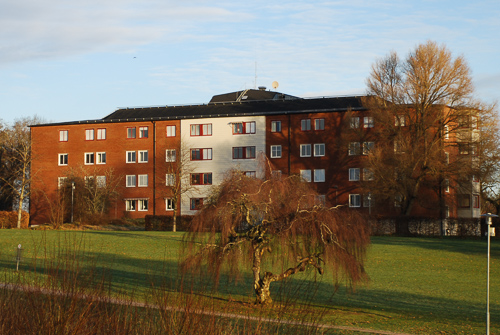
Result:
[
  {"x": 142, "y": 180},
  {"x": 89, "y": 158},
  {"x": 100, "y": 158},
  {"x": 61, "y": 181},
  {"x": 319, "y": 124},
  {"x": 319, "y": 149},
  {"x": 63, "y": 158},
  {"x": 143, "y": 156},
  {"x": 275, "y": 126},
  {"x": 131, "y": 180},
  {"x": 63, "y": 136},
  {"x": 101, "y": 134},
  {"x": 131, "y": 132},
  {"x": 130, "y": 205},
  {"x": 143, "y": 132},
  {"x": 170, "y": 179},
  {"x": 169, "y": 204},
  {"x": 368, "y": 174},
  {"x": 305, "y": 150},
  {"x": 131, "y": 157},
  {"x": 89, "y": 134},
  {"x": 101, "y": 181},
  {"x": 142, "y": 205},
  {"x": 170, "y": 155},
  {"x": 171, "y": 131},
  {"x": 319, "y": 175},
  {"x": 400, "y": 120},
  {"x": 367, "y": 147},
  {"x": 306, "y": 175},
  {"x": 355, "y": 200},
  {"x": 354, "y": 174},
  {"x": 354, "y": 122},
  {"x": 275, "y": 151}
]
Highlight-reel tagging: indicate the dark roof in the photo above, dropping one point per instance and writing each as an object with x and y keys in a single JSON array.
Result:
[
  {"x": 248, "y": 95},
  {"x": 253, "y": 107},
  {"x": 279, "y": 104}
]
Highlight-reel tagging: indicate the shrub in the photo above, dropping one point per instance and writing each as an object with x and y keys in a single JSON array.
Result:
[
  {"x": 166, "y": 222},
  {"x": 9, "y": 219}
]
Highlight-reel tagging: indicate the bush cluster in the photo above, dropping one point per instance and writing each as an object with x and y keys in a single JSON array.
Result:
[
  {"x": 166, "y": 222},
  {"x": 9, "y": 219}
]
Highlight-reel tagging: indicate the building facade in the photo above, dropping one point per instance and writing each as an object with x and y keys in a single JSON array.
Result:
[{"x": 149, "y": 150}]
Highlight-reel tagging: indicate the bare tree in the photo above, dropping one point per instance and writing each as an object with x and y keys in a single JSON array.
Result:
[
  {"x": 176, "y": 176},
  {"x": 428, "y": 125},
  {"x": 16, "y": 160},
  {"x": 251, "y": 219}
]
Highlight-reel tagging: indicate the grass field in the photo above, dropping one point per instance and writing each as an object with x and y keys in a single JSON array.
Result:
[{"x": 417, "y": 286}]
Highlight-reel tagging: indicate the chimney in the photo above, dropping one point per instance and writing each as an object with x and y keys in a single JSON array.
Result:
[{"x": 262, "y": 88}]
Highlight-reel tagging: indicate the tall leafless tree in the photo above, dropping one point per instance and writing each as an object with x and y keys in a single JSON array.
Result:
[
  {"x": 424, "y": 110},
  {"x": 250, "y": 220}
]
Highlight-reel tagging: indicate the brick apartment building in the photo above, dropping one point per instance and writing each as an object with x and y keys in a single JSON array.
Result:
[{"x": 298, "y": 136}]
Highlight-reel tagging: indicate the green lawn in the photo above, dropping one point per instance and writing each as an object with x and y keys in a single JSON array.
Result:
[{"x": 418, "y": 285}]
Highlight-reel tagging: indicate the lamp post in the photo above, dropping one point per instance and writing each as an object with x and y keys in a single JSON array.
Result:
[
  {"x": 488, "y": 221},
  {"x": 72, "y": 199}
]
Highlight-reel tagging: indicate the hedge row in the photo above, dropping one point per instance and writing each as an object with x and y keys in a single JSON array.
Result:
[
  {"x": 9, "y": 219},
  {"x": 166, "y": 222}
]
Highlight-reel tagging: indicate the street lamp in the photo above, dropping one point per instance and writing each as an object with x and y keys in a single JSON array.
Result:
[{"x": 488, "y": 221}]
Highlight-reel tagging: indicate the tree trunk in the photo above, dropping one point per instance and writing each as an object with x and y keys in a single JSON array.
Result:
[
  {"x": 174, "y": 222},
  {"x": 263, "y": 292}
]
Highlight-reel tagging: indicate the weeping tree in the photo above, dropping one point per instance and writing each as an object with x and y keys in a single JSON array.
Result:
[{"x": 253, "y": 222}]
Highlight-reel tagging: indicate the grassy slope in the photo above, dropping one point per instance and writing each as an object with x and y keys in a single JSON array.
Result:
[{"x": 417, "y": 285}]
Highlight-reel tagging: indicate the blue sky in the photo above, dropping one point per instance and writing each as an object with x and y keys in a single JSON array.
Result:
[{"x": 66, "y": 60}]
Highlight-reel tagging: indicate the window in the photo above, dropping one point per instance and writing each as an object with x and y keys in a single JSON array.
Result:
[
  {"x": 463, "y": 148},
  {"x": 101, "y": 134},
  {"x": 463, "y": 121},
  {"x": 130, "y": 205},
  {"x": 63, "y": 159},
  {"x": 143, "y": 205},
  {"x": 464, "y": 200},
  {"x": 201, "y": 178},
  {"x": 130, "y": 132},
  {"x": 319, "y": 175},
  {"x": 201, "y": 129},
  {"x": 474, "y": 122},
  {"x": 447, "y": 157},
  {"x": 354, "y": 148},
  {"x": 201, "y": 154},
  {"x": 143, "y": 180},
  {"x": 170, "y": 155},
  {"x": 250, "y": 174},
  {"x": 61, "y": 181},
  {"x": 306, "y": 175},
  {"x": 63, "y": 136},
  {"x": 447, "y": 185},
  {"x": 143, "y": 156},
  {"x": 368, "y": 122},
  {"x": 354, "y": 200},
  {"x": 101, "y": 181},
  {"x": 367, "y": 147},
  {"x": 305, "y": 150},
  {"x": 475, "y": 201},
  {"x": 243, "y": 152},
  {"x": 131, "y": 157},
  {"x": 89, "y": 134},
  {"x": 368, "y": 174},
  {"x": 398, "y": 200},
  {"x": 143, "y": 132},
  {"x": 169, "y": 204},
  {"x": 354, "y": 174},
  {"x": 319, "y": 124},
  {"x": 354, "y": 122},
  {"x": 244, "y": 128},
  {"x": 196, "y": 204},
  {"x": 320, "y": 199},
  {"x": 319, "y": 149},
  {"x": 305, "y": 125},
  {"x": 275, "y": 151},
  {"x": 131, "y": 180},
  {"x": 170, "y": 179},
  {"x": 101, "y": 158},
  {"x": 170, "y": 131},
  {"x": 446, "y": 132},
  {"x": 400, "y": 120},
  {"x": 89, "y": 158},
  {"x": 275, "y": 126}
]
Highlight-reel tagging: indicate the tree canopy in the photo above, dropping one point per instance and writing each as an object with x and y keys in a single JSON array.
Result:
[{"x": 247, "y": 220}]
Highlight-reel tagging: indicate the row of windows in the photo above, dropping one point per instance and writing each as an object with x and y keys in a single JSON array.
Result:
[
  {"x": 136, "y": 180},
  {"x": 355, "y": 148},
  {"x": 354, "y": 174},
  {"x": 368, "y": 122},
  {"x": 318, "y": 175},
  {"x": 305, "y": 124},
  {"x": 100, "y": 181},
  {"x": 355, "y": 200}
]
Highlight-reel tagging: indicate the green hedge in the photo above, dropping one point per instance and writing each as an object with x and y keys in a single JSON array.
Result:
[{"x": 166, "y": 222}]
